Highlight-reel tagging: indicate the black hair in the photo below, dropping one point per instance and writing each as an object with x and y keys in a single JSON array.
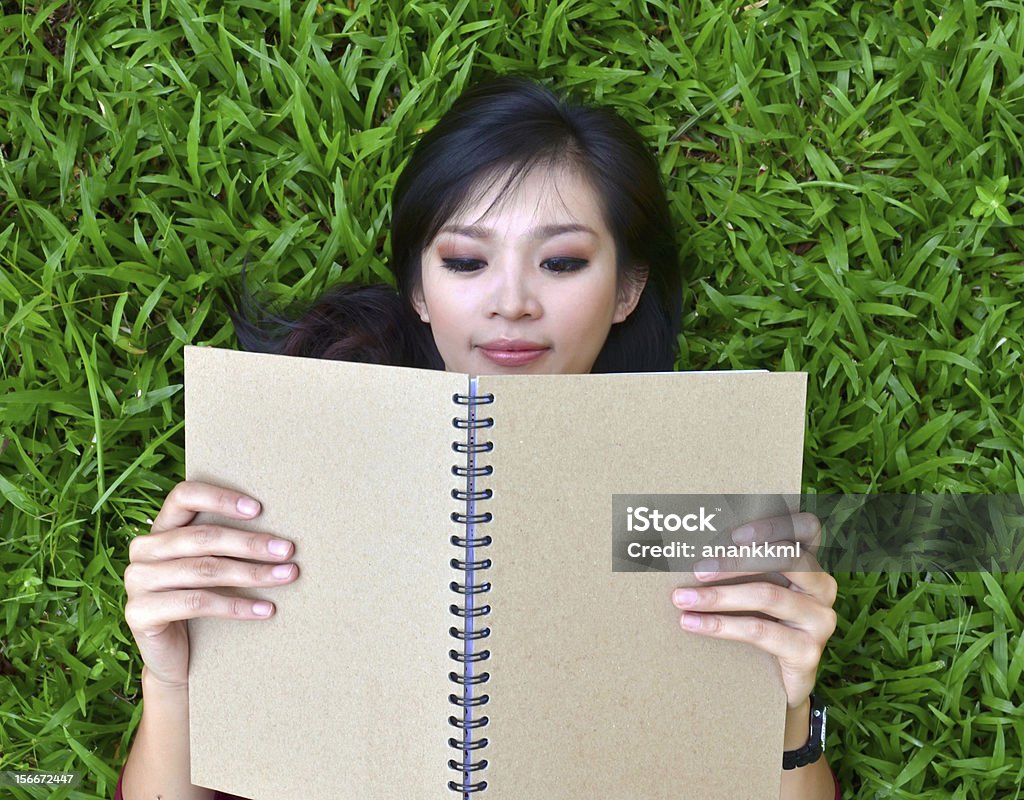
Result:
[{"x": 501, "y": 126}]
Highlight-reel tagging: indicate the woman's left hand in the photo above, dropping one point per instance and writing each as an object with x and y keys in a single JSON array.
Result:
[{"x": 802, "y": 616}]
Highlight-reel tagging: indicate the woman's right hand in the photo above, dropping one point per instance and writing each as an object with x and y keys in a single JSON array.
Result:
[{"x": 173, "y": 570}]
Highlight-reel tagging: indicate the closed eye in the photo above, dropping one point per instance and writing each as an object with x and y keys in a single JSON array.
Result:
[
  {"x": 462, "y": 264},
  {"x": 566, "y": 264},
  {"x": 556, "y": 265}
]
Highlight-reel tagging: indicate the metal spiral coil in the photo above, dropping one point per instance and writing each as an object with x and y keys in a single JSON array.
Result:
[
  {"x": 475, "y": 424},
  {"x": 468, "y": 565},
  {"x": 472, "y": 472},
  {"x": 473, "y": 449},
  {"x": 472, "y": 680},
  {"x": 455, "y": 633},
  {"x": 477, "y": 745},
  {"x": 483, "y": 541},
  {"x": 481, "y": 495},
  {"x": 463, "y": 589},
  {"x": 468, "y": 519},
  {"x": 468, "y": 631},
  {"x": 459, "y": 611},
  {"x": 472, "y": 400}
]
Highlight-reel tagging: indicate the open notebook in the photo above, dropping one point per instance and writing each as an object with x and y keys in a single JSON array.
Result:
[{"x": 368, "y": 683}]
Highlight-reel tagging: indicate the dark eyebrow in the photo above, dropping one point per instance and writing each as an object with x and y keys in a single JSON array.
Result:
[{"x": 543, "y": 232}]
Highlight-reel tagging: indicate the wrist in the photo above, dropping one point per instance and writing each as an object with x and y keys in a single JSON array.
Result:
[
  {"x": 151, "y": 686},
  {"x": 795, "y": 735},
  {"x": 811, "y": 750}
]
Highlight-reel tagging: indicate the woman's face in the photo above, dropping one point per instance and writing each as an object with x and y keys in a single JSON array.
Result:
[{"x": 530, "y": 287}]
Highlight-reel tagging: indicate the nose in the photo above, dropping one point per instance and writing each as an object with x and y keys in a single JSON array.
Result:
[{"x": 514, "y": 291}]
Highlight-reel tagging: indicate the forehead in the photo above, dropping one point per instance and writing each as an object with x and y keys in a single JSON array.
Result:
[{"x": 548, "y": 194}]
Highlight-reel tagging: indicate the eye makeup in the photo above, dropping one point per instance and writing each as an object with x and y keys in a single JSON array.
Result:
[{"x": 557, "y": 265}]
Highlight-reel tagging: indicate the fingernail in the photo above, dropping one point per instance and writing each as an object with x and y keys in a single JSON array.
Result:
[
  {"x": 282, "y": 571},
  {"x": 691, "y": 621},
  {"x": 743, "y": 534},
  {"x": 247, "y": 506},
  {"x": 262, "y": 608},
  {"x": 685, "y": 597},
  {"x": 278, "y": 547},
  {"x": 707, "y": 568}
]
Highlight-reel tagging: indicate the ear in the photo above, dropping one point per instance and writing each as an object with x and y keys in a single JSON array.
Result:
[
  {"x": 629, "y": 297},
  {"x": 419, "y": 304}
]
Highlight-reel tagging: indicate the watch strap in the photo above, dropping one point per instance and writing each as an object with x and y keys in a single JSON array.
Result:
[{"x": 810, "y": 752}]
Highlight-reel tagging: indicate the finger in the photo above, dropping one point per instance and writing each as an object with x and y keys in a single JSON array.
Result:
[
  {"x": 815, "y": 582},
  {"x": 789, "y": 645},
  {"x": 805, "y": 575},
  {"x": 188, "y": 573},
  {"x": 777, "y": 557},
  {"x": 188, "y": 498},
  {"x": 798, "y": 652},
  {"x": 154, "y": 612},
  {"x": 201, "y": 540},
  {"x": 802, "y": 527},
  {"x": 792, "y": 609},
  {"x": 781, "y": 557}
]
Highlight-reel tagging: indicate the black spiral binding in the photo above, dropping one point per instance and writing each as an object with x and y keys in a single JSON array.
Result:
[{"x": 467, "y": 631}]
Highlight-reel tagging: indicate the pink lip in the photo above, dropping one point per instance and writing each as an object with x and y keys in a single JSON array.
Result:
[{"x": 512, "y": 352}]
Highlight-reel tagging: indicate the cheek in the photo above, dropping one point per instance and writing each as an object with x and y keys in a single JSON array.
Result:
[
  {"x": 433, "y": 292},
  {"x": 590, "y": 311},
  {"x": 448, "y": 309}
]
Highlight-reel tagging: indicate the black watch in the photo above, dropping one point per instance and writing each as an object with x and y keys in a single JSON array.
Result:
[{"x": 810, "y": 752}]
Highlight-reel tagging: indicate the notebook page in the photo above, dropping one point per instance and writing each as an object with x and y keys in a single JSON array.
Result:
[
  {"x": 596, "y": 691},
  {"x": 344, "y": 692}
]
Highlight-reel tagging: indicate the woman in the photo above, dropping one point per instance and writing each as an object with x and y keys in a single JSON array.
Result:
[{"x": 528, "y": 235}]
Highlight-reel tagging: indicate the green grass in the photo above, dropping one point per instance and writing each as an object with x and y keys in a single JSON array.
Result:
[{"x": 847, "y": 177}]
